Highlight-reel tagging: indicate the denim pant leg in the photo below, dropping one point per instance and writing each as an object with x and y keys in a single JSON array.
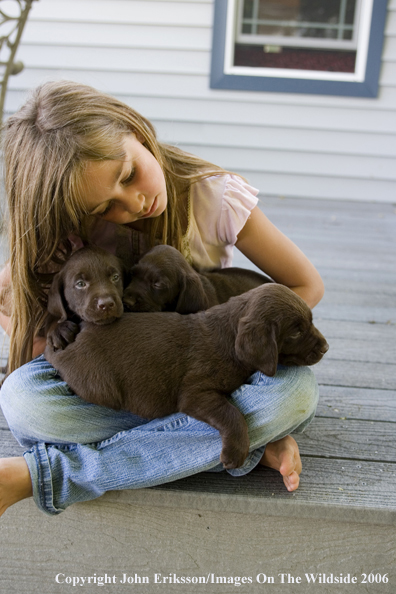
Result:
[{"x": 78, "y": 451}]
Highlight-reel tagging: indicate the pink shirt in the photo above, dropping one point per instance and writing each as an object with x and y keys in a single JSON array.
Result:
[{"x": 218, "y": 209}]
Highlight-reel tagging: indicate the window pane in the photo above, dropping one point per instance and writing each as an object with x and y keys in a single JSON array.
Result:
[
  {"x": 294, "y": 58},
  {"x": 323, "y": 19},
  {"x": 297, "y": 34}
]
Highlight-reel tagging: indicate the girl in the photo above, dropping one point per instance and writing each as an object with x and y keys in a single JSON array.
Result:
[{"x": 80, "y": 164}]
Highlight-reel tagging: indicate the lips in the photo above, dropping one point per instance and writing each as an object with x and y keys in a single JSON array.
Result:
[{"x": 152, "y": 209}]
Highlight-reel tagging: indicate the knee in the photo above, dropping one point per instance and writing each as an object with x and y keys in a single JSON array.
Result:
[
  {"x": 21, "y": 396},
  {"x": 303, "y": 391},
  {"x": 13, "y": 392}
]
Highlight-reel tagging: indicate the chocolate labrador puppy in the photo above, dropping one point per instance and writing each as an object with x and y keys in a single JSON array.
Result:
[
  {"x": 156, "y": 364},
  {"x": 89, "y": 287},
  {"x": 163, "y": 280}
]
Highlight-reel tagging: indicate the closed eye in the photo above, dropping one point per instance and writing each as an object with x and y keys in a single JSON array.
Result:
[
  {"x": 106, "y": 210},
  {"x": 130, "y": 177},
  {"x": 296, "y": 334}
]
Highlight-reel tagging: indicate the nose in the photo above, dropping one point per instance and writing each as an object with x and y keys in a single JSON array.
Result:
[
  {"x": 105, "y": 304},
  {"x": 324, "y": 348},
  {"x": 131, "y": 201}
]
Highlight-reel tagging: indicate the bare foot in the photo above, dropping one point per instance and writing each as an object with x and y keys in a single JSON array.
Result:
[
  {"x": 15, "y": 483},
  {"x": 283, "y": 455}
]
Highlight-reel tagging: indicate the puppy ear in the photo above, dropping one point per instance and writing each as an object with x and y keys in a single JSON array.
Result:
[
  {"x": 256, "y": 345},
  {"x": 192, "y": 297},
  {"x": 55, "y": 303}
]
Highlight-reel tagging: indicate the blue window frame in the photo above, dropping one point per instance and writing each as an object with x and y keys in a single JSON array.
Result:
[{"x": 244, "y": 28}]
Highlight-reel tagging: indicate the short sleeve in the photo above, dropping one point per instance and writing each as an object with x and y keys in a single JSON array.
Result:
[{"x": 239, "y": 199}]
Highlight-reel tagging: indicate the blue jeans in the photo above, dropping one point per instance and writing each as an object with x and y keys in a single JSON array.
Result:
[{"x": 77, "y": 451}]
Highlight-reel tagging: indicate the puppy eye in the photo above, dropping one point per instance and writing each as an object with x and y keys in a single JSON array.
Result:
[
  {"x": 80, "y": 284},
  {"x": 158, "y": 285},
  {"x": 296, "y": 335},
  {"x": 115, "y": 278}
]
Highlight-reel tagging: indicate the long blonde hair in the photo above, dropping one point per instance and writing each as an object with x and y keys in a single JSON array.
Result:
[{"x": 45, "y": 144}]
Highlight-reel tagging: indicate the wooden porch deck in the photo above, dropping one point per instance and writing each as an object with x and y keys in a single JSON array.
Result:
[{"x": 342, "y": 518}]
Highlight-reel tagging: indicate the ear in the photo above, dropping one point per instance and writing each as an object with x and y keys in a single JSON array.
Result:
[
  {"x": 192, "y": 296},
  {"x": 55, "y": 303},
  {"x": 256, "y": 345}
]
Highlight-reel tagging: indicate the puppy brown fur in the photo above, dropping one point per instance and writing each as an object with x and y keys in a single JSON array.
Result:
[
  {"x": 164, "y": 281},
  {"x": 90, "y": 285},
  {"x": 155, "y": 364}
]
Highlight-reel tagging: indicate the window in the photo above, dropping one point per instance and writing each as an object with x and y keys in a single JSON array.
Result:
[{"x": 302, "y": 46}]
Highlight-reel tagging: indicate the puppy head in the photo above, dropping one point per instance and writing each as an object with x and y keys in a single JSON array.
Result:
[
  {"x": 162, "y": 280},
  {"x": 277, "y": 328},
  {"x": 90, "y": 285}
]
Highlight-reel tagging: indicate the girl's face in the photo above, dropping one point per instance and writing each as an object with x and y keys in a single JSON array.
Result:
[{"x": 125, "y": 191}]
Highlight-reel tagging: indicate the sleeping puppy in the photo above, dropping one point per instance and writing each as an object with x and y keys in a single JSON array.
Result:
[
  {"x": 163, "y": 280},
  {"x": 156, "y": 364},
  {"x": 89, "y": 287}
]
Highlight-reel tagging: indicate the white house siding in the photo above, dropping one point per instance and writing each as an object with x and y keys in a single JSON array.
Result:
[{"x": 155, "y": 56}]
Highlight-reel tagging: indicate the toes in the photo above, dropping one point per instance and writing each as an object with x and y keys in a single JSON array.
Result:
[{"x": 291, "y": 481}]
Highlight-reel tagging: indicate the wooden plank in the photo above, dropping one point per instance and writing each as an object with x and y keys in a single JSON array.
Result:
[
  {"x": 9, "y": 447},
  {"x": 365, "y": 404},
  {"x": 351, "y": 349},
  {"x": 103, "y": 537},
  {"x": 365, "y": 285},
  {"x": 354, "y": 298},
  {"x": 357, "y": 374},
  {"x": 373, "y": 333},
  {"x": 349, "y": 439},
  {"x": 374, "y": 315},
  {"x": 360, "y": 484}
]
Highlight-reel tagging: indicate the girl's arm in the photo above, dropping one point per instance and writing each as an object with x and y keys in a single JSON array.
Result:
[{"x": 276, "y": 255}]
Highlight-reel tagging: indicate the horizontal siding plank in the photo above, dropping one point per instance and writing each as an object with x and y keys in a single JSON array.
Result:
[
  {"x": 210, "y": 105},
  {"x": 326, "y": 188},
  {"x": 277, "y": 138},
  {"x": 119, "y": 11},
  {"x": 390, "y": 25},
  {"x": 388, "y": 74},
  {"x": 370, "y": 168},
  {"x": 389, "y": 51},
  {"x": 111, "y": 35},
  {"x": 213, "y": 110},
  {"x": 116, "y": 59}
]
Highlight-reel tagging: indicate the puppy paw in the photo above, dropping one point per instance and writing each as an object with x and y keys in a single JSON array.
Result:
[
  {"x": 62, "y": 334},
  {"x": 233, "y": 457}
]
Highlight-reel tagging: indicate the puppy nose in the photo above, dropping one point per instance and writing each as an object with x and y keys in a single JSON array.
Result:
[
  {"x": 105, "y": 303},
  {"x": 324, "y": 348}
]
